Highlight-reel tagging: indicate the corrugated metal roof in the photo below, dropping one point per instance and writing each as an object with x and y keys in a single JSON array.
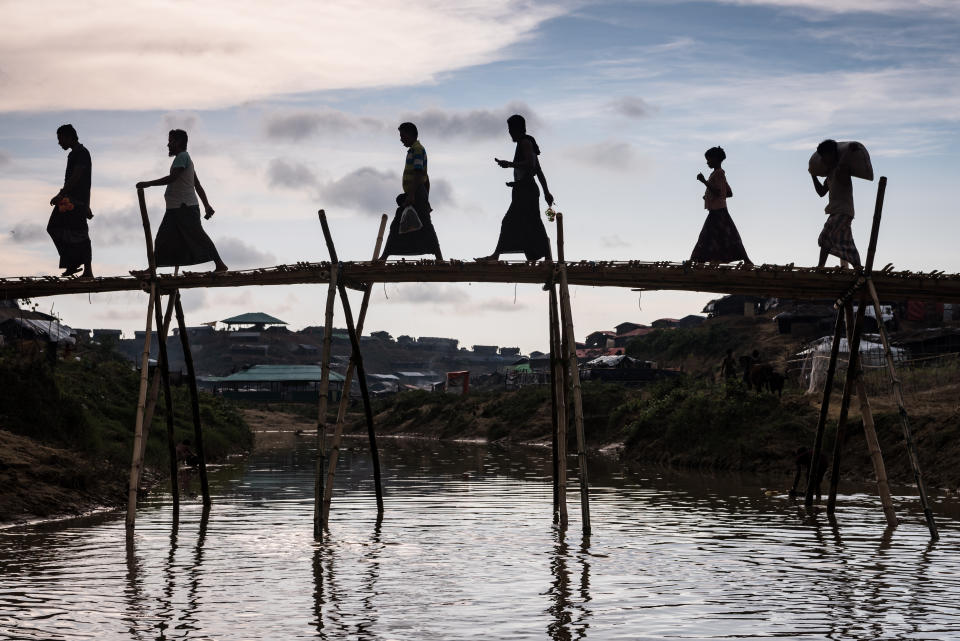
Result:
[
  {"x": 252, "y": 318},
  {"x": 278, "y": 373}
]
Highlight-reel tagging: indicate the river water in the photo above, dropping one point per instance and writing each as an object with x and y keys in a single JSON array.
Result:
[{"x": 467, "y": 550}]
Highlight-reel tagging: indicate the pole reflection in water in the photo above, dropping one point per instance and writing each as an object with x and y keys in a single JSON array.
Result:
[
  {"x": 568, "y": 617},
  {"x": 468, "y": 550}
]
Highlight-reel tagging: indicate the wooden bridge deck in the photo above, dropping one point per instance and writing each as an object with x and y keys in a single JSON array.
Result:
[{"x": 784, "y": 281}]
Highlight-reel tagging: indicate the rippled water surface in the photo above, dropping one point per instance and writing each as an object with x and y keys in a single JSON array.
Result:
[{"x": 467, "y": 550}]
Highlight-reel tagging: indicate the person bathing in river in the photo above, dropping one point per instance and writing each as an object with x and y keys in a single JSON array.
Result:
[
  {"x": 837, "y": 235},
  {"x": 71, "y": 208},
  {"x": 719, "y": 240},
  {"x": 181, "y": 239},
  {"x": 522, "y": 228},
  {"x": 416, "y": 194}
]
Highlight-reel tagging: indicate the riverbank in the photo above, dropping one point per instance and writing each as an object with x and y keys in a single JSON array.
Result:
[
  {"x": 682, "y": 423},
  {"x": 66, "y": 434}
]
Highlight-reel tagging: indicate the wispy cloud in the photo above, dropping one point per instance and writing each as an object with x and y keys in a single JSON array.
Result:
[
  {"x": 429, "y": 293},
  {"x": 613, "y": 242},
  {"x": 858, "y": 6},
  {"x": 608, "y": 154},
  {"x": 4, "y": 158},
  {"x": 632, "y": 107},
  {"x": 294, "y": 126},
  {"x": 28, "y": 233},
  {"x": 239, "y": 255},
  {"x": 143, "y": 55},
  {"x": 290, "y": 174}
]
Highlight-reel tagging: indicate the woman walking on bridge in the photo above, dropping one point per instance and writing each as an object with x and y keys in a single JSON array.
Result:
[
  {"x": 522, "y": 229},
  {"x": 181, "y": 239},
  {"x": 719, "y": 240}
]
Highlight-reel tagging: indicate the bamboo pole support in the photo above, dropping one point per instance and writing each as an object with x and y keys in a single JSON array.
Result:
[
  {"x": 358, "y": 358},
  {"x": 154, "y": 392},
  {"x": 566, "y": 316},
  {"x": 813, "y": 476},
  {"x": 553, "y": 406},
  {"x": 163, "y": 363},
  {"x": 334, "y": 454},
  {"x": 897, "y": 389},
  {"x": 855, "y": 379},
  {"x": 559, "y": 388},
  {"x": 137, "y": 464},
  {"x": 194, "y": 398},
  {"x": 322, "y": 399}
]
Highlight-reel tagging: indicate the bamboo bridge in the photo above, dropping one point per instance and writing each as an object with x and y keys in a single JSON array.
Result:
[
  {"x": 779, "y": 281},
  {"x": 782, "y": 281}
]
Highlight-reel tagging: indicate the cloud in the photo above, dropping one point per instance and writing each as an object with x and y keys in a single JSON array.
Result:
[
  {"x": 497, "y": 305},
  {"x": 632, "y": 107},
  {"x": 28, "y": 233},
  {"x": 371, "y": 191},
  {"x": 477, "y": 123},
  {"x": 193, "y": 299},
  {"x": 613, "y": 242},
  {"x": 4, "y": 158},
  {"x": 432, "y": 123},
  {"x": 858, "y": 6},
  {"x": 295, "y": 126},
  {"x": 608, "y": 154},
  {"x": 185, "y": 121},
  {"x": 141, "y": 54},
  {"x": 239, "y": 255},
  {"x": 290, "y": 174},
  {"x": 429, "y": 293}
]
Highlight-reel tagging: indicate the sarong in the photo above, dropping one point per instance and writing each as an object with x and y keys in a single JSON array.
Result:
[
  {"x": 181, "y": 239},
  {"x": 837, "y": 239},
  {"x": 522, "y": 229},
  {"x": 414, "y": 243},
  {"x": 71, "y": 236},
  {"x": 719, "y": 240}
]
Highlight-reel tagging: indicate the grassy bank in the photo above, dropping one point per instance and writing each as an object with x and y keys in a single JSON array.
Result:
[
  {"x": 684, "y": 422},
  {"x": 66, "y": 433}
]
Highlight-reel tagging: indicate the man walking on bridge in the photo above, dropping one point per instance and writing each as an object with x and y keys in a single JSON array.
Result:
[
  {"x": 406, "y": 239},
  {"x": 71, "y": 208},
  {"x": 181, "y": 239}
]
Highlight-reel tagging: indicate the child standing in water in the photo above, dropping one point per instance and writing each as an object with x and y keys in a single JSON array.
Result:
[{"x": 719, "y": 240}]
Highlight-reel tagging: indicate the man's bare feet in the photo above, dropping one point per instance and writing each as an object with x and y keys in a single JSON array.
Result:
[
  {"x": 221, "y": 268},
  {"x": 140, "y": 273},
  {"x": 487, "y": 259},
  {"x": 70, "y": 271}
]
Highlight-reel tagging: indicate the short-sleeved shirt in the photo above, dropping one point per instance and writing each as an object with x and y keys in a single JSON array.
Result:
[
  {"x": 717, "y": 180},
  {"x": 416, "y": 161},
  {"x": 840, "y": 188},
  {"x": 182, "y": 191},
  {"x": 78, "y": 160}
]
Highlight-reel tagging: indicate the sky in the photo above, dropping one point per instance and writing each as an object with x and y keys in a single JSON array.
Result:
[{"x": 293, "y": 106}]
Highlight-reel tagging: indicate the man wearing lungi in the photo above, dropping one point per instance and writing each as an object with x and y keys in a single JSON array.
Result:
[
  {"x": 181, "y": 239},
  {"x": 837, "y": 236},
  {"x": 71, "y": 208}
]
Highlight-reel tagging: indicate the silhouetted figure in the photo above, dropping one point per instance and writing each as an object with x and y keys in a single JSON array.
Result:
[
  {"x": 719, "y": 240},
  {"x": 416, "y": 194},
  {"x": 181, "y": 239},
  {"x": 71, "y": 208},
  {"x": 837, "y": 235},
  {"x": 186, "y": 454},
  {"x": 728, "y": 367},
  {"x": 522, "y": 229},
  {"x": 803, "y": 461}
]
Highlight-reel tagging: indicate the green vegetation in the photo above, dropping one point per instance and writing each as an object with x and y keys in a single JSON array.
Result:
[
  {"x": 89, "y": 406},
  {"x": 710, "y": 340},
  {"x": 728, "y": 426}
]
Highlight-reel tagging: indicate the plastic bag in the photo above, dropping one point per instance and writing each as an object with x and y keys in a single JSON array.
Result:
[
  {"x": 853, "y": 157},
  {"x": 409, "y": 220}
]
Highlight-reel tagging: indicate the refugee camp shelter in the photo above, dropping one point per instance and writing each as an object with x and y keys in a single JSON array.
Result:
[
  {"x": 257, "y": 321},
  {"x": 265, "y": 383}
]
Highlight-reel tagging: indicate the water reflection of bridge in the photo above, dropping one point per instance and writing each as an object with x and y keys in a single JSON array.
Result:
[{"x": 784, "y": 281}]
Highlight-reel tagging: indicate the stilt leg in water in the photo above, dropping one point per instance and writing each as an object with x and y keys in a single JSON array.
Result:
[
  {"x": 163, "y": 364},
  {"x": 194, "y": 399},
  {"x": 318, "y": 520}
]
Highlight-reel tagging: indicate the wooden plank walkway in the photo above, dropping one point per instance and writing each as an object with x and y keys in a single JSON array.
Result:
[{"x": 783, "y": 281}]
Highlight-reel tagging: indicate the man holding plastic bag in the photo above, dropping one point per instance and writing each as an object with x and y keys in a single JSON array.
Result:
[
  {"x": 412, "y": 232},
  {"x": 839, "y": 163}
]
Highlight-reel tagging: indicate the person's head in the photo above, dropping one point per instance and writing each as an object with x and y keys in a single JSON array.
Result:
[
  {"x": 715, "y": 156},
  {"x": 66, "y": 136},
  {"x": 517, "y": 127},
  {"x": 828, "y": 152},
  {"x": 729, "y": 352},
  {"x": 408, "y": 133},
  {"x": 176, "y": 141}
]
